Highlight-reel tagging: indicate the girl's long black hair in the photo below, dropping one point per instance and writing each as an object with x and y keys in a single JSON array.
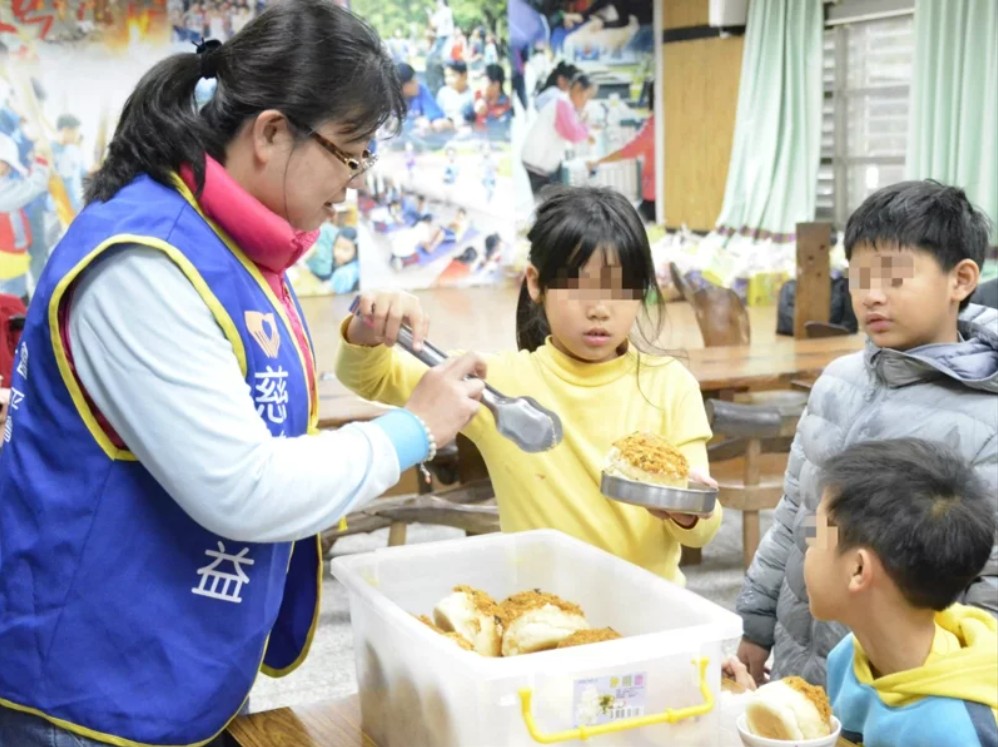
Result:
[{"x": 573, "y": 223}]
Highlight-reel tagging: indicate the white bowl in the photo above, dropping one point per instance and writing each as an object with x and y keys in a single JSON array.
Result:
[{"x": 751, "y": 740}]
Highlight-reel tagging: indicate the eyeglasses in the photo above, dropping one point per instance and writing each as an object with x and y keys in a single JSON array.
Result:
[{"x": 357, "y": 166}]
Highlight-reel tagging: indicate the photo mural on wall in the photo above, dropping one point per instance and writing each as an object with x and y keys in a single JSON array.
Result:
[
  {"x": 584, "y": 74},
  {"x": 450, "y": 198},
  {"x": 436, "y": 209},
  {"x": 66, "y": 68}
]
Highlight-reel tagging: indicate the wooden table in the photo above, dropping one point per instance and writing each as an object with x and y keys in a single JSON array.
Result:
[
  {"x": 760, "y": 366},
  {"x": 333, "y": 723},
  {"x": 336, "y": 723},
  {"x": 768, "y": 365}
]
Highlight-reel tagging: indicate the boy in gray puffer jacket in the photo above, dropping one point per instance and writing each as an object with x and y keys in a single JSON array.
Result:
[{"x": 930, "y": 371}]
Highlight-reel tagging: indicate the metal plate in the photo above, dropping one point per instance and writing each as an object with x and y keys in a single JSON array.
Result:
[{"x": 696, "y": 499}]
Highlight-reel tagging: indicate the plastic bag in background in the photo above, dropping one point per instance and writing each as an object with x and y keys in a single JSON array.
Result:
[
  {"x": 764, "y": 288},
  {"x": 736, "y": 261}
]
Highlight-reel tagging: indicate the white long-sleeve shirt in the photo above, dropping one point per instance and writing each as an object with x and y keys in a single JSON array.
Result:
[
  {"x": 557, "y": 126},
  {"x": 151, "y": 356},
  {"x": 16, "y": 193}
]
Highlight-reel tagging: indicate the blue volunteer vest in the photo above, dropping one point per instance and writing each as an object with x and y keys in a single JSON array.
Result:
[{"x": 121, "y": 618}]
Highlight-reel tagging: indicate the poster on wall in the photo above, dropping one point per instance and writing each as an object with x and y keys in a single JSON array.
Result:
[
  {"x": 584, "y": 75},
  {"x": 435, "y": 211},
  {"x": 66, "y": 69}
]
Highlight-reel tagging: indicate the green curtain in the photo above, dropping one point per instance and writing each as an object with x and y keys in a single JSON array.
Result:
[
  {"x": 953, "y": 133},
  {"x": 773, "y": 174}
]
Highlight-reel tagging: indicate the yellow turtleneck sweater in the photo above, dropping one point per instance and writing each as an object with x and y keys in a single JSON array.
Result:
[{"x": 597, "y": 404}]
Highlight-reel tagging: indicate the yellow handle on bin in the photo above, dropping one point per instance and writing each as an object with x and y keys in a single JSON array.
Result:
[{"x": 668, "y": 716}]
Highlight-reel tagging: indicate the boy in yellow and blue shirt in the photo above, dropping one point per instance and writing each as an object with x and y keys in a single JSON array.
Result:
[{"x": 902, "y": 528}]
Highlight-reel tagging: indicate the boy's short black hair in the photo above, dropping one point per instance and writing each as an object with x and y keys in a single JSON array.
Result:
[
  {"x": 927, "y": 215},
  {"x": 495, "y": 73},
  {"x": 920, "y": 508},
  {"x": 406, "y": 72},
  {"x": 458, "y": 66}
]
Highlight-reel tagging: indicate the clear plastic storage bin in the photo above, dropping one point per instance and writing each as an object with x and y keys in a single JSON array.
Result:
[{"x": 418, "y": 689}]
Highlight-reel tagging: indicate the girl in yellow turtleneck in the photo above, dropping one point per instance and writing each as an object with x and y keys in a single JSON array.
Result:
[{"x": 590, "y": 275}]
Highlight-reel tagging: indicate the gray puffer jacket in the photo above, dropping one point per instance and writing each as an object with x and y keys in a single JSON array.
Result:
[{"x": 946, "y": 393}]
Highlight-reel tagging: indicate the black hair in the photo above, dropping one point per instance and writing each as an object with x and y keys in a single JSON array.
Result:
[
  {"x": 920, "y": 508},
  {"x": 310, "y": 59},
  {"x": 491, "y": 244},
  {"x": 458, "y": 66},
  {"x": 495, "y": 73},
  {"x": 67, "y": 121},
  {"x": 573, "y": 223},
  {"x": 406, "y": 72},
  {"x": 561, "y": 70},
  {"x": 581, "y": 80},
  {"x": 925, "y": 215}
]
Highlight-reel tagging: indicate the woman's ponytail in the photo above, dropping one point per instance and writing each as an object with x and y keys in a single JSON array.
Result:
[{"x": 159, "y": 129}]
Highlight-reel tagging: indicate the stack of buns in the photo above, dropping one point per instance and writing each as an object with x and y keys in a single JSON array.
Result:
[
  {"x": 473, "y": 615},
  {"x": 789, "y": 709},
  {"x": 535, "y": 621},
  {"x": 524, "y": 623},
  {"x": 450, "y": 635},
  {"x": 592, "y": 635}
]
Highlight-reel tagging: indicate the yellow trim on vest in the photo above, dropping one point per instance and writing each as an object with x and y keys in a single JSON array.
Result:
[
  {"x": 62, "y": 359},
  {"x": 111, "y": 738},
  {"x": 254, "y": 272},
  {"x": 283, "y": 672},
  {"x": 313, "y": 391}
]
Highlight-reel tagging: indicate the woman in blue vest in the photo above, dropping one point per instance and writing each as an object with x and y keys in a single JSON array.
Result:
[{"x": 162, "y": 481}]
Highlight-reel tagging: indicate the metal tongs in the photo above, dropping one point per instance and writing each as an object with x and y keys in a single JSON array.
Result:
[{"x": 520, "y": 419}]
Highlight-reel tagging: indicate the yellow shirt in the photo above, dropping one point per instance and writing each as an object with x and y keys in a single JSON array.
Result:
[{"x": 597, "y": 404}]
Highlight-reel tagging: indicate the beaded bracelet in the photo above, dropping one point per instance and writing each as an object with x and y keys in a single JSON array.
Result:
[{"x": 433, "y": 450}]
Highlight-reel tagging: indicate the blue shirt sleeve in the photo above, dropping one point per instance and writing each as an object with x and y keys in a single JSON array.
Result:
[
  {"x": 428, "y": 106},
  {"x": 407, "y": 435}
]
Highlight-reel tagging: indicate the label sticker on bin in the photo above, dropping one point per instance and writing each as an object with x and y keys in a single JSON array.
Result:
[{"x": 600, "y": 700}]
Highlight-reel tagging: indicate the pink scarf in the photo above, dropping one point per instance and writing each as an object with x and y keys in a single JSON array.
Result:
[{"x": 265, "y": 238}]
